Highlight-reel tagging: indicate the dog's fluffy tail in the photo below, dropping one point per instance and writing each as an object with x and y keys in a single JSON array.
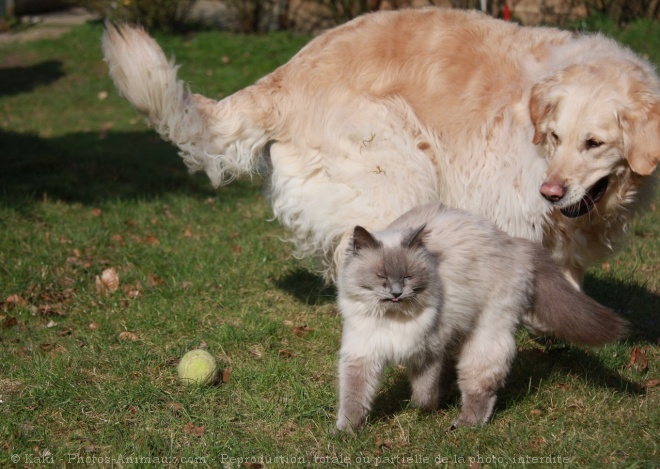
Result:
[
  {"x": 221, "y": 138},
  {"x": 567, "y": 313}
]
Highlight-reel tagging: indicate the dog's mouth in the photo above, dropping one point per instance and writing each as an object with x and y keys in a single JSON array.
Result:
[{"x": 588, "y": 202}]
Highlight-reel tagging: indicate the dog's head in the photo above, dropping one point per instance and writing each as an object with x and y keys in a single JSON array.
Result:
[{"x": 596, "y": 121}]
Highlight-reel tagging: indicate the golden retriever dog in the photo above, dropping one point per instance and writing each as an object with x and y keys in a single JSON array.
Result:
[{"x": 554, "y": 136}]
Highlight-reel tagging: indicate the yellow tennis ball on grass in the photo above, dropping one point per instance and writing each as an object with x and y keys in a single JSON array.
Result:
[{"x": 197, "y": 367}]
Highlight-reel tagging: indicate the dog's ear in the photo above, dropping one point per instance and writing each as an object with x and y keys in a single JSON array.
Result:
[
  {"x": 541, "y": 105},
  {"x": 641, "y": 134}
]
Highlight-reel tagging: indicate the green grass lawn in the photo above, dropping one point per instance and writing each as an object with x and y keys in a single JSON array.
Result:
[{"x": 87, "y": 367}]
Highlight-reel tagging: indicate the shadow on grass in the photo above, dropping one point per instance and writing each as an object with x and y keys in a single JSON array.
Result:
[
  {"x": 307, "y": 287},
  {"x": 630, "y": 300},
  {"x": 532, "y": 369},
  {"x": 16, "y": 80},
  {"x": 92, "y": 168}
]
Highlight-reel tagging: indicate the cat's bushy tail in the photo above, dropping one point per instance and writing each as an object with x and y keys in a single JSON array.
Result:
[
  {"x": 225, "y": 139},
  {"x": 563, "y": 311}
]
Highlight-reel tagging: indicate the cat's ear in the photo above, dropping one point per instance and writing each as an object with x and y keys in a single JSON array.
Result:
[
  {"x": 415, "y": 239},
  {"x": 363, "y": 239}
]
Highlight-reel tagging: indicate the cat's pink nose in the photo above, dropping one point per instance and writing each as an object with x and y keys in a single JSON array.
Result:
[{"x": 552, "y": 191}]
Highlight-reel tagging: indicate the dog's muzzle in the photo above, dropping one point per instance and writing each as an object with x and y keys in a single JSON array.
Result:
[{"x": 585, "y": 205}]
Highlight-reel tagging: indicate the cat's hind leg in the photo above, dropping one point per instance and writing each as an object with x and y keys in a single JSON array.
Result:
[
  {"x": 425, "y": 382},
  {"x": 359, "y": 378},
  {"x": 483, "y": 366}
]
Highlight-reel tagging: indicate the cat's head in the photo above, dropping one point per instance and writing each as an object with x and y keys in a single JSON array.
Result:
[{"x": 388, "y": 270}]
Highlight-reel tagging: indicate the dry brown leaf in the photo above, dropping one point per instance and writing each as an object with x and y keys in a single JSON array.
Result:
[
  {"x": 16, "y": 300},
  {"x": 285, "y": 354},
  {"x": 226, "y": 374},
  {"x": 100, "y": 288},
  {"x": 638, "y": 359},
  {"x": 383, "y": 443},
  {"x": 75, "y": 261},
  {"x": 68, "y": 282},
  {"x": 652, "y": 383},
  {"x": 52, "y": 349},
  {"x": 236, "y": 249},
  {"x": 175, "y": 407},
  {"x": 300, "y": 330},
  {"x": 127, "y": 336},
  {"x": 132, "y": 290},
  {"x": 191, "y": 429},
  {"x": 255, "y": 351},
  {"x": 152, "y": 240},
  {"x": 108, "y": 282},
  {"x": 8, "y": 322},
  {"x": 50, "y": 309},
  {"x": 94, "y": 326},
  {"x": 154, "y": 280},
  {"x": 97, "y": 212}
]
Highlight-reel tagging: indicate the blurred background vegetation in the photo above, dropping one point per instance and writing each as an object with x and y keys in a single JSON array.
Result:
[{"x": 313, "y": 16}]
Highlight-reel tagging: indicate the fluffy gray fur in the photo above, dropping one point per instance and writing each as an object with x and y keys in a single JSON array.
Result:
[{"x": 439, "y": 286}]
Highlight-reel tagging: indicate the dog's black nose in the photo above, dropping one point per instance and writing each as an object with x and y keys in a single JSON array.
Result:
[{"x": 552, "y": 192}]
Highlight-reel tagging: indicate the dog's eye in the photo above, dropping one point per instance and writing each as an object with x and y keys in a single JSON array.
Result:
[
  {"x": 554, "y": 137},
  {"x": 592, "y": 143}
]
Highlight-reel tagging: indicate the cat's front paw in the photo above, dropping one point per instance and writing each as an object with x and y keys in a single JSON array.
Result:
[
  {"x": 468, "y": 420},
  {"x": 344, "y": 424}
]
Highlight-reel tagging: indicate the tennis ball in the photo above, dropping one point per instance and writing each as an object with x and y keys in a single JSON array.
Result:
[{"x": 197, "y": 367}]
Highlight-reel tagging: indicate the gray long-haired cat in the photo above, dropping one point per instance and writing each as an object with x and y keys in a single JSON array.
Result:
[{"x": 438, "y": 287}]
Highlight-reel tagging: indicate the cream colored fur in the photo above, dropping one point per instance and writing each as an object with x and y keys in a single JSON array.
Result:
[{"x": 396, "y": 109}]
